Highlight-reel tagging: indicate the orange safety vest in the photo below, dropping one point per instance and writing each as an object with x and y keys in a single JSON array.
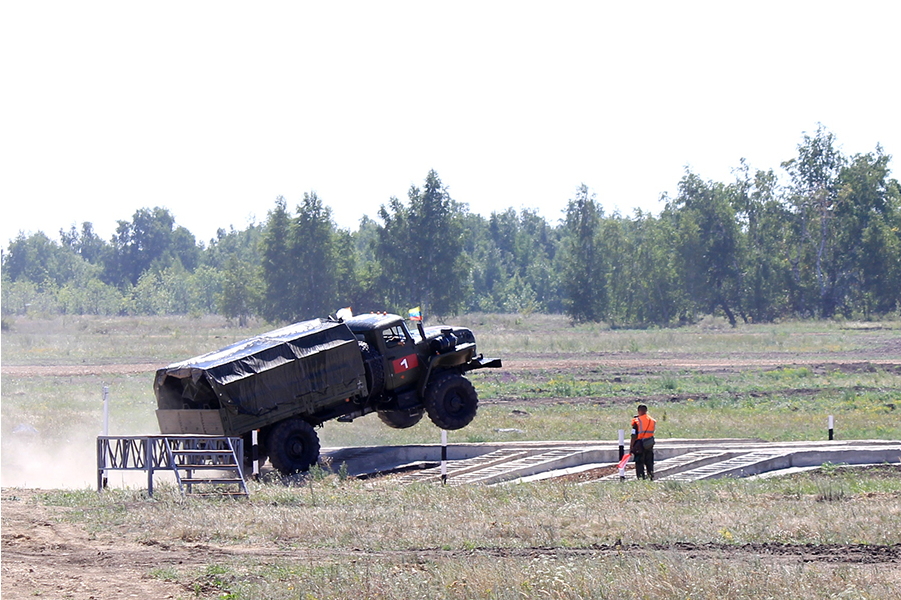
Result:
[{"x": 643, "y": 426}]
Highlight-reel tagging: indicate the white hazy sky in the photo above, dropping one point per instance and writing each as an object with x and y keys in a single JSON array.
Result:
[{"x": 213, "y": 109}]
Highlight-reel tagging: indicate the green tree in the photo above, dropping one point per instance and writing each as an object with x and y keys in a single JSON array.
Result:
[
  {"x": 583, "y": 266},
  {"x": 367, "y": 270},
  {"x": 150, "y": 239},
  {"x": 765, "y": 224},
  {"x": 244, "y": 245},
  {"x": 866, "y": 215},
  {"x": 21, "y": 297},
  {"x": 241, "y": 287},
  {"x": 351, "y": 287},
  {"x": 708, "y": 245},
  {"x": 277, "y": 270},
  {"x": 814, "y": 175},
  {"x": 315, "y": 260},
  {"x": 420, "y": 247},
  {"x": 205, "y": 289},
  {"x": 479, "y": 249},
  {"x": 92, "y": 297},
  {"x": 42, "y": 261},
  {"x": 520, "y": 249},
  {"x": 302, "y": 266},
  {"x": 615, "y": 243},
  {"x": 656, "y": 293},
  {"x": 149, "y": 296},
  {"x": 85, "y": 243},
  {"x": 536, "y": 249}
]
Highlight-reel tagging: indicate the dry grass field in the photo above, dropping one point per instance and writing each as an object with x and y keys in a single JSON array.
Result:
[{"x": 832, "y": 533}]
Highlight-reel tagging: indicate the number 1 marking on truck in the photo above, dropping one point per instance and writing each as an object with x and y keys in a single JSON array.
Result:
[{"x": 405, "y": 363}]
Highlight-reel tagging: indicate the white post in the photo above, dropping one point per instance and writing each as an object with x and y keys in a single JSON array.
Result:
[
  {"x": 622, "y": 468},
  {"x": 622, "y": 443},
  {"x": 103, "y": 477},
  {"x": 105, "y": 410},
  {"x": 622, "y": 455},
  {"x": 255, "y": 453},
  {"x": 831, "y": 428},
  {"x": 148, "y": 463}
]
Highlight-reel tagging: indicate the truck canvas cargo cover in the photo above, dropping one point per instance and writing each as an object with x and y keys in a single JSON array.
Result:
[{"x": 300, "y": 365}]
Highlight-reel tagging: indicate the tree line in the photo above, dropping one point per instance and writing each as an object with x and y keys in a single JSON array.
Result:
[{"x": 822, "y": 240}]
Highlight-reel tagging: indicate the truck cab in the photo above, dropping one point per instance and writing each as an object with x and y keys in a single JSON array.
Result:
[{"x": 387, "y": 336}]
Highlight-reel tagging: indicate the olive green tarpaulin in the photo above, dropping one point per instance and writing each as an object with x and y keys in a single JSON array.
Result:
[{"x": 301, "y": 364}]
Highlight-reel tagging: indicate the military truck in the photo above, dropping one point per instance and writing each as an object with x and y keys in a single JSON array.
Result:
[{"x": 285, "y": 383}]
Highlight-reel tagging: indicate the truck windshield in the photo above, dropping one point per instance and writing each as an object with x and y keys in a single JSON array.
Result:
[{"x": 396, "y": 335}]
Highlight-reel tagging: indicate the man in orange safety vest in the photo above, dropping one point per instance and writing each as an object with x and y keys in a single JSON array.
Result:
[{"x": 641, "y": 445}]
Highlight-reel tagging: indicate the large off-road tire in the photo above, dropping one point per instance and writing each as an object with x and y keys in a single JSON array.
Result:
[
  {"x": 451, "y": 402},
  {"x": 375, "y": 370},
  {"x": 293, "y": 446},
  {"x": 400, "y": 419}
]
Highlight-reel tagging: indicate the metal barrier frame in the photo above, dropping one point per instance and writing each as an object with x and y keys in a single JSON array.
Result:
[{"x": 149, "y": 453}]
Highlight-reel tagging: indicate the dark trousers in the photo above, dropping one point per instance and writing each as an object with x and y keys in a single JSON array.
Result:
[{"x": 644, "y": 461}]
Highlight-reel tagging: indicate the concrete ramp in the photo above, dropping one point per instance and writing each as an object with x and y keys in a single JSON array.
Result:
[
  {"x": 504, "y": 465},
  {"x": 459, "y": 470},
  {"x": 738, "y": 465},
  {"x": 594, "y": 461},
  {"x": 530, "y": 465},
  {"x": 758, "y": 461},
  {"x": 672, "y": 468}
]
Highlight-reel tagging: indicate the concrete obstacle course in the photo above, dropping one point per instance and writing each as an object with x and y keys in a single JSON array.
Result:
[{"x": 676, "y": 459}]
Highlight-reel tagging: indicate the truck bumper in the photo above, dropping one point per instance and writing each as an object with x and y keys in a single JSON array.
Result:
[{"x": 480, "y": 362}]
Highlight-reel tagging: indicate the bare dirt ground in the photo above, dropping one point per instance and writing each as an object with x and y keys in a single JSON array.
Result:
[
  {"x": 42, "y": 555},
  {"x": 45, "y": 556},
  {"x": 888, "y": 357}
]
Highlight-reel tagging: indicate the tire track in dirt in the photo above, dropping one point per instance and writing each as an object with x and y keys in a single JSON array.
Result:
[
  {"x": 823, "y": 553},
  {"x": 548, "y": 363},
  {"x": 78, "y": 370},
  {"x": 646, "y": 363}
]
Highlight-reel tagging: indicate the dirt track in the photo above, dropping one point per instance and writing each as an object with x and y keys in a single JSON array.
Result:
[{"x": 549, "y": 363}]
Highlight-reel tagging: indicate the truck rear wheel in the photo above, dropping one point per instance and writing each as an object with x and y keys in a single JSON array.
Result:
[
  {"x": 293, "y": 446},
  {"x": 451, "y": 402},
  {"x": 400, "y": 419}
]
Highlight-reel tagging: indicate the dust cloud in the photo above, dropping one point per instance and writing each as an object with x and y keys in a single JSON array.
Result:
[{"x": 31, "y": 460}]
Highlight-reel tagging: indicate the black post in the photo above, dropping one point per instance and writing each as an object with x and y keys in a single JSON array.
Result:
[{"x": 443, "y": 457}]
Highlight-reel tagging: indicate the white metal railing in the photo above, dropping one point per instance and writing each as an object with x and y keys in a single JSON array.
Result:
[{"x": 151, "y": 453}]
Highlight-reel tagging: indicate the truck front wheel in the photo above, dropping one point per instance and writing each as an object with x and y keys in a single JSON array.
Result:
[
  {"x": 451, "y": 402},
  {"x": 293, "y": 446}
]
